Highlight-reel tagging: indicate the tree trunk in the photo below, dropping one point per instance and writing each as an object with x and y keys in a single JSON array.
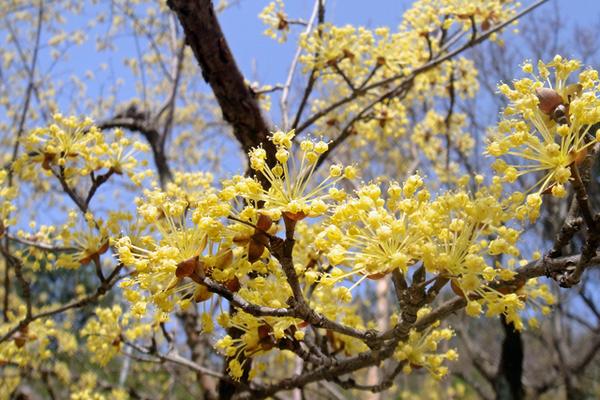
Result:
[{"x": 508, "y": 383}]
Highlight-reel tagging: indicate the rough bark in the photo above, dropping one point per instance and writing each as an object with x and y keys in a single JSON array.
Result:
[{"x": 236, "y": 99}]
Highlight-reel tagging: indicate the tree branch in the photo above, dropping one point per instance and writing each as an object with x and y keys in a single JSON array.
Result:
[
  {"x": 136, "y": 121},
  {"x": 238, "y": 103}
]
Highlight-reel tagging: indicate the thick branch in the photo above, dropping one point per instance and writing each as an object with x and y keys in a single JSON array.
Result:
[{"x": 237, "y": 101}]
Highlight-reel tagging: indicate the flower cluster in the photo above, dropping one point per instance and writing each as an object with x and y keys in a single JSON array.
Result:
[
  {"x": 274, "y": 16},
  {"x": 106, "y": 332},
  {"x": 387, "y": 76},
  {"x": 87, "y": 388},
  {"x": 356, "y": 50},
  {"x": 35, "y": 254},
  {"x": 258, "y": 336},
  {"x": 33, "y": 343},
  {"x": 345, "y": 47},
  {"x": 552, "y": 127},
  {"x": 171, "y": 269},
  {"x": 420, "y": 350},
  {"x": 431, "y": 134},
  {"x": 72, "y": 148},
  {"x": 457, "y": 236},
  {"x": 389, "y": 120},
  {"x": 470, "y": 237},
  {"x": 427, "y": 16},
  {"x": 292, "y": 190},
  {"x": 191, "y": 242},
  {"x": 85, "y": 245},
  {"x": 373, "y": 236}
]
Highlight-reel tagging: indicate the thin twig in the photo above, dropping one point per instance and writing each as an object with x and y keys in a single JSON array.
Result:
[
  {"x": 42, "y": 246},
  {"x": 30, "y": 87},
  {"x": 283, "y": 102},
  {"x": 312, "y": 79},
  {"x": 176, "y": 359},
  {"x": 110, "y": 281},
  {"x": 423, "y": 68}
]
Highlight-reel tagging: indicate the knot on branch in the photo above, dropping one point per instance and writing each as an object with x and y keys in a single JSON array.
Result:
[
  {"x": 372, "y": 339},
  {"x": 565, "y": 278}
]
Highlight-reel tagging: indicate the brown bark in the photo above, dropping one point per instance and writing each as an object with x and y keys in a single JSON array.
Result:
[{"x": 236, "y": 99}]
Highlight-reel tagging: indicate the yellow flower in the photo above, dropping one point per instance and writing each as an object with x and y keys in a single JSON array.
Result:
[
  {"x": 292, "y": 190},
  {"x": 88, "y": 244},
  {"x": 421, "y": 350},
  {"x": 72, "y": 148},
  {"x": 274, "y": 16},
  {"x": 258, "y": 336},
  {"x": 185, "y": 246},
  {"x": 104, "y": 334},
  {"x": 552, "y": 128},
  {"x": 372, "y": 236}
]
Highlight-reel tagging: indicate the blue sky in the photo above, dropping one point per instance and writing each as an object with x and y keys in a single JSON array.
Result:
[
  {"x": 262, "y": 57},
  {"x": 259, "y": 57}
]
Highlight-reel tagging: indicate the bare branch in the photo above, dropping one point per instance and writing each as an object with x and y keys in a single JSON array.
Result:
[
  {"x": 108, "y": 283},
  {"x": 283, "y": 102}
]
